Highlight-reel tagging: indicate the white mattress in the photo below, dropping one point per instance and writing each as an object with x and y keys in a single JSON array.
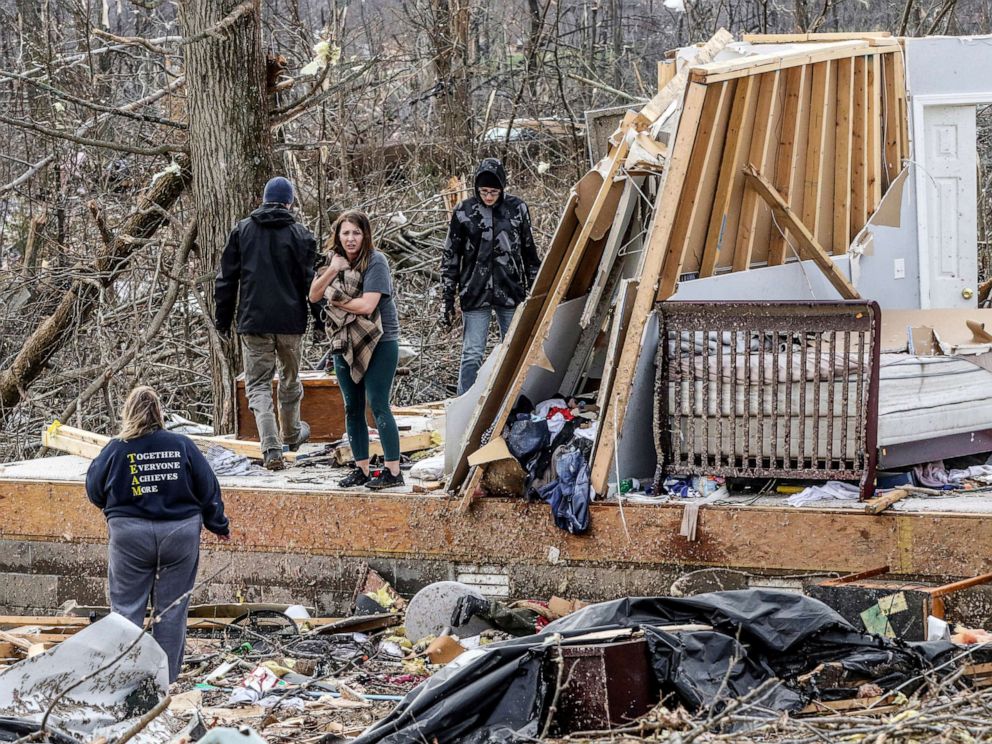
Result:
[{"x": 919, "y": 398}]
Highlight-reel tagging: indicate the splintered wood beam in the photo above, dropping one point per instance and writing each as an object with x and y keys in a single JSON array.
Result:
[
  {"x": 842, "y": 155},
  {"x": 563, "y": 281},
  {"x": 723, "y": 223},
  {"x": 791, "y": 156},
  {"x": 808, "y": 247},
  {"x": 763, "y": 141},
  {"x": 874, "y": 145},
  {"x": 704, "y": 169},
  {"x": 675, "y": 88},
  {"x": 758, "y": 63},
  {"x": 662, "y": 264}
]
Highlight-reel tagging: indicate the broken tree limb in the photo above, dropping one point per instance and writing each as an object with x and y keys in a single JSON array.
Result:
[
  {"x": 81, "y": 298},
  {"x": 808, "y": 246}
]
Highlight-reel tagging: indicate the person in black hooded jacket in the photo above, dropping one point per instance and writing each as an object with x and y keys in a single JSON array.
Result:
[
  {"x": 266, "y": 269},
  {"x": 489, "y": 260}
]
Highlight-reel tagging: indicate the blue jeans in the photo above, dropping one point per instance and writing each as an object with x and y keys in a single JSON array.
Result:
[{"x": 474, "y": 337}]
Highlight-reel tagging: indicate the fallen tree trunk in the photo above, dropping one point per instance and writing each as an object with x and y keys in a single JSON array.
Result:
[{"x": 82, "y": 296}]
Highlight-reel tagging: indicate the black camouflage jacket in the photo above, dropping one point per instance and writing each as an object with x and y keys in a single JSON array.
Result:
[{"x": 489, "y": 256}]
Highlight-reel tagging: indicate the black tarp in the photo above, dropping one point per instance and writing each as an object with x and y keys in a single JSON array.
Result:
[{"x": 758, "y": 634}]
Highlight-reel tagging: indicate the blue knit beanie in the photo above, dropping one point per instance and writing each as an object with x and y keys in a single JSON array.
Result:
[{"x": 278, "y": 190}]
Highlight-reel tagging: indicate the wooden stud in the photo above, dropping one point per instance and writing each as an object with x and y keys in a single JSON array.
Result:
[
  {"x": 899, "y": 73},
  {"x": 891, "y": 127},
  {"x": 791, "y": 157},
  {"x": 809, "y": 248},
  {"x": 722, "y": 226},
  {"x": 704, "y": 169},
  {"x": 660, "y": 262},
  {"x": 859, "y": 147},
  {"x": 874, "y": 147},
  {"x": 820, "y": 130},
  {"x": 842, "y": 156},
  {"x": 763, "y": 141}
]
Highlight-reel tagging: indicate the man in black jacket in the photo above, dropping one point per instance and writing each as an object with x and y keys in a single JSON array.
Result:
[
  {"x": 489, "y": 260},
  {"x": 266, "y": 269}
]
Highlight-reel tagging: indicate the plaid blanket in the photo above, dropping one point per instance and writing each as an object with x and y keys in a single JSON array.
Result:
[{"x": 352, "y": 336}]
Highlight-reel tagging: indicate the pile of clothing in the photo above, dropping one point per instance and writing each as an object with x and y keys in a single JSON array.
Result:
[{"x": 553, "y": 442}]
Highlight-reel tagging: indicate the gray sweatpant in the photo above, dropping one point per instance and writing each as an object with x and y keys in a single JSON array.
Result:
[
  {"x": 160, "y": 559},
  {"x": 263, "y": 353}
]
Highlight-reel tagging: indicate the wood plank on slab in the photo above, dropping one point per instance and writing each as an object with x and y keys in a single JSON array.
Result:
[
  {"x": 809, "y": 248},
  {"x": 408, "y": 443},
  {"x": 660, "y": 270},
  {"x": 791, "y": 156}
]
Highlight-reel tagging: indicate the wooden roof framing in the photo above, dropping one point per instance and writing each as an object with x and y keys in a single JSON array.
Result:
[{"x": 777, "y": 155}]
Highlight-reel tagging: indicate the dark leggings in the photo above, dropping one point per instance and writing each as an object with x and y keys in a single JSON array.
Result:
[{"x": 375, "y": 387}]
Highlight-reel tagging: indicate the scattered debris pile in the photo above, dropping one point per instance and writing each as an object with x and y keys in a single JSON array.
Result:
[{"x": 465, "y": 668}]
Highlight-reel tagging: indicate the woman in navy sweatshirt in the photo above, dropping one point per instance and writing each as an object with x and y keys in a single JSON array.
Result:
[{"x": 156, "y": 490}]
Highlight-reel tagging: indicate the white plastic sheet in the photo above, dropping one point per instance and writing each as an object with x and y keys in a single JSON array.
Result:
[{"x": 96, "y": 707}]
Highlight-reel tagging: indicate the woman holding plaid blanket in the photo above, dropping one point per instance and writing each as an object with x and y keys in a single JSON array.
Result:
[{"x": 364, "y": 331}]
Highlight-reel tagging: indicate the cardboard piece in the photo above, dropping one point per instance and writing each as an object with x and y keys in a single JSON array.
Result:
[
  {"x": 444, "y": 649},
  {"x": 560, "y": 607},
  {"x": 495, "y": 450},
  {"x": 958, "y": 331},
  {"x": 889, "y": 212},
  {"x": 586, "y": 189}
]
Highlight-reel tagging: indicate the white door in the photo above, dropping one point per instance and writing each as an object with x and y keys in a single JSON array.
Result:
[{"x": 951, "y": 203}]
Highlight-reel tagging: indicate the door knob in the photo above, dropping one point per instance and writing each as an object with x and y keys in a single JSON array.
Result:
[{"x": 967, "y": 293}]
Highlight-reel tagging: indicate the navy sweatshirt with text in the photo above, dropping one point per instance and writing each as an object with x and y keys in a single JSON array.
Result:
[{"x": 160, "y": 476}]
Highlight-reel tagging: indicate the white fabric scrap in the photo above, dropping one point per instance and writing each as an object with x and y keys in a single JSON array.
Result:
[
  {"x": 429, "y": 469},
  {"x": 542, "y": 409},
  {"x": 829, "y": 490}
]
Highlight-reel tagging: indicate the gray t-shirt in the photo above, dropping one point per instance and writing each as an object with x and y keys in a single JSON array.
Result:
[{"x": 377, "y": 279}]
